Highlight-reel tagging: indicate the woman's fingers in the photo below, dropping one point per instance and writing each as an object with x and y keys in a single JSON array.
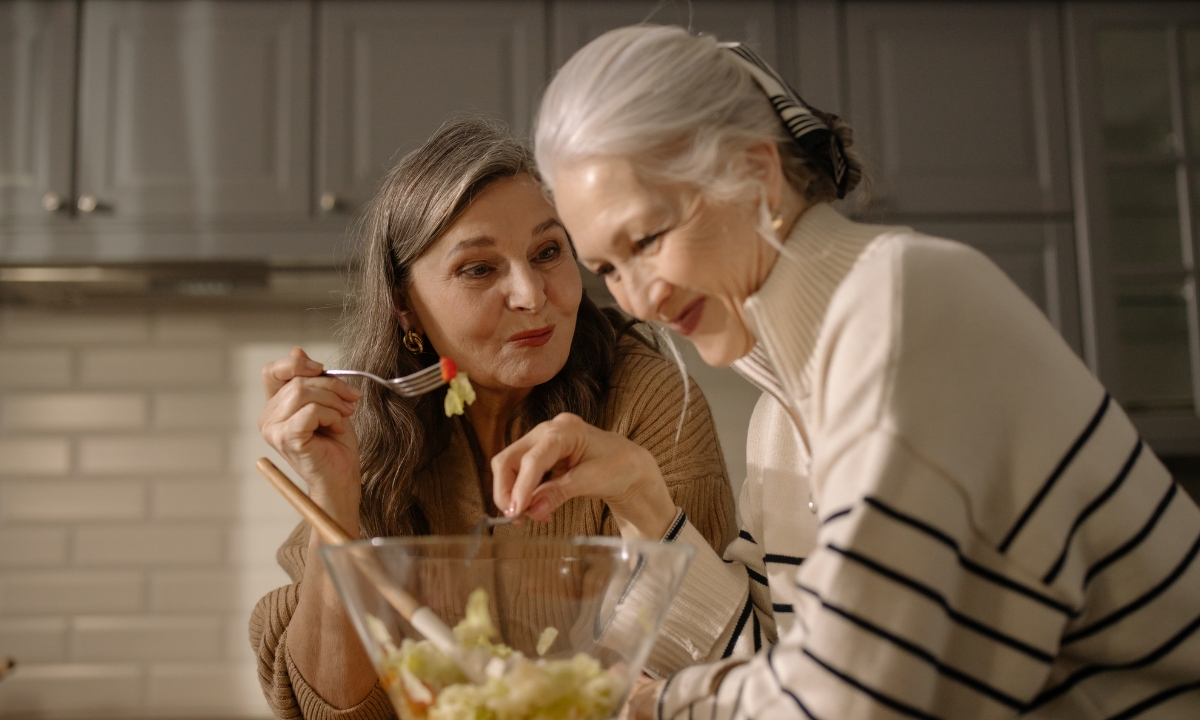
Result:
[
  {"x": 297, "y": 364},
  {"x": 293, "y": 435},
  {"x": 328, "y": 392},
  {"x": 519, "y": 469}
]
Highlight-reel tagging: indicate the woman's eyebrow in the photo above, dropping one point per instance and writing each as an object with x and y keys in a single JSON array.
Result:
[
  {"x": 481, "y": 241},
  {"x": 547, "y": 224}
]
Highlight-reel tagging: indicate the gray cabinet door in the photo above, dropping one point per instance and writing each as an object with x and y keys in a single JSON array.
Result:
[
  {"x": 392, "y": 72},
  {"x": 576, "y": 23},
  {"x": 37, "y": 110},
  {"x": 198, "y": 111},
  {"x": 958, "y": 107}
]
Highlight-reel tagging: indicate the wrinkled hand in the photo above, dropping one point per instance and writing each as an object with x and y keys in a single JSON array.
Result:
[
  {"x": 565, "y": 458},
  {"x": 643, "y": 699},
  {"x": 307, "y": 420}
]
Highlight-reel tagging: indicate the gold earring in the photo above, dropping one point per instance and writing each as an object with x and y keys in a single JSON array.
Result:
[
  {"x": 412, "y": 341},
  {"x": 777, "y": 222}
]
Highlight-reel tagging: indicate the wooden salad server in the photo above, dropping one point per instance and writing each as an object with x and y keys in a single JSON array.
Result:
[{"x": 424, "y": 620}]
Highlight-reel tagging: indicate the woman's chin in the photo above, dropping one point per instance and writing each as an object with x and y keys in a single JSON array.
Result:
[{"x": 719, "y": 349}]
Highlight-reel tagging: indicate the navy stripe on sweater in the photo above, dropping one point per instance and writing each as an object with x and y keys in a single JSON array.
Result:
[
  {"x": 1134, "y": 541},
  {"x": 1054, "y": 476},
  {"x": 943, "y": 669},
  {"x": 935, "y": 596},
  {"x": 1094, "y": 505},
  {"x": 969, "y": 565}
]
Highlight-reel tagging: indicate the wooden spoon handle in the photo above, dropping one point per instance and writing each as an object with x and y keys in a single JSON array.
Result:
[
  {"x": 333, "y": 534},
  {"x": 325, "y": 526}
]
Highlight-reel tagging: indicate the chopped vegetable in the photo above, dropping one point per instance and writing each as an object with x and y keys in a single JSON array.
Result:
[
  {"x": 459, "y": 395},
  {"x": 549, "y": 635},
  {"x": 449, "y": 369},
  {"x": 426, "y": 685}
]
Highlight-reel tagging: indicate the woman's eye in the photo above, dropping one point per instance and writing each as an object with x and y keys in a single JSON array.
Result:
[
  {"x": 549, "y": 253},
  {"x": 605, "y": 270},
  {"x": 476, "y": 271},
  {"x": 648, "y": 243}
]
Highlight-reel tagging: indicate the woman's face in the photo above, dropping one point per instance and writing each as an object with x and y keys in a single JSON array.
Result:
[
  {"x": 499, "y": 291},
  {"x": 666, "y": 255}
]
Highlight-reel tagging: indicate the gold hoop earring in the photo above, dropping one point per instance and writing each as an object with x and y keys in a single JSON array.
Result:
[{"x": 413, "y": 342}]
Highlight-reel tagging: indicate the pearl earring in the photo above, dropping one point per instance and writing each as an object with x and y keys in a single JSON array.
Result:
[{"x": 777, "y": 222}]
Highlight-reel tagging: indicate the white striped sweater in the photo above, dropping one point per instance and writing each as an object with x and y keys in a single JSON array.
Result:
[{"x": 992, "y": 538}]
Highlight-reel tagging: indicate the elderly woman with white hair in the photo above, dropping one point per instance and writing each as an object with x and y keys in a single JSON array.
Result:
[{"x": 946, "y": 515}]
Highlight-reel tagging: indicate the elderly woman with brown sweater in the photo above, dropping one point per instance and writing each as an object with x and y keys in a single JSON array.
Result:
[{"x": 463, "y": 257}]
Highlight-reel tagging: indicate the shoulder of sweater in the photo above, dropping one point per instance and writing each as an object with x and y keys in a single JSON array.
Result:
[{"x": 639, "y": 366}]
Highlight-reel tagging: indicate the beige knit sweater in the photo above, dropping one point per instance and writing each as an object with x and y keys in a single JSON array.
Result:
[{"x": 644, "y": 405}]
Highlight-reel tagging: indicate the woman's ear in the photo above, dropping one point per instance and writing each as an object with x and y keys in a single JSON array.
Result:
[
  {"x": 407, "y": 318},
  {"x": 765, "y": 163}
]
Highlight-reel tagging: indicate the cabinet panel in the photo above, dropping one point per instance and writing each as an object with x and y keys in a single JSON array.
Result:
[
  {"x": 391, "y": 73},
  {"x": 578, "y": 23},
  {"x": 37, "y": 108},
  {"x": 195, "y": 110},
  {"x": 1038, "y": 256},
  {"x": 959, "y": 108}
]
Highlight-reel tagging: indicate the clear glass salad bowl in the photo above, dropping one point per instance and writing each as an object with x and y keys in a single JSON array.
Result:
[{"x": 566, "y": 624}]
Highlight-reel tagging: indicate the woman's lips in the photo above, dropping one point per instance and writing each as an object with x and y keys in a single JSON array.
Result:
[
  {"x": 685, "y": 324},
  {"x": 533, "y": 338}
]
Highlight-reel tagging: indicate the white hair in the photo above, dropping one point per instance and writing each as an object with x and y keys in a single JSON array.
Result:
[{"x": 680, "y": 108}]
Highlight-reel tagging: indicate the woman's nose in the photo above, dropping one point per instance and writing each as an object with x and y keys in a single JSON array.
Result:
[{"x": 527, "y": 289}]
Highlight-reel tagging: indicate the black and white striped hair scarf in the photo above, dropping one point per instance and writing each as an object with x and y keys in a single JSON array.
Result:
[{"x": 808, "y": 130}]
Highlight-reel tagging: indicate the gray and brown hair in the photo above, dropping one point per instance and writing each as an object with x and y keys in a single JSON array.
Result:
[{"x": 416, "y": 203}]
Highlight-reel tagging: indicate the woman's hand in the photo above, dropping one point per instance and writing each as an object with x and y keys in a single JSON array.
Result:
[
  {"x": 642, "y": 699},
  {"x": 580, "y": 460},
  {"x": 307, "y": 420}
]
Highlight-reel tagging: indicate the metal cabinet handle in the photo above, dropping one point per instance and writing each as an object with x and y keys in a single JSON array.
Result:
[
  {"x": 53, "y": 202},
  {"x": 89, "y": 204},
  {"x": 330, "y": 202}
]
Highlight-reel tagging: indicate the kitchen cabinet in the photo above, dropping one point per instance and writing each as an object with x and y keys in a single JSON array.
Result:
[
  {"x": 390, "y": 73},
  {"x": 37, "y": 84},
  {"x": 1135, "y": 73},
  {"x": 959, "y": 107},
  {"x": 194, "y": 111},
  {"x": 578, "y": 22}
]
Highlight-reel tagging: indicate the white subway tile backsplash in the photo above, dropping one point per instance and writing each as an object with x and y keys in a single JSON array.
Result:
[
  {"x": 125, "y": 638},
  {"x": 200, "y": 411},
  {"x": 32, "y": 546},
  {"x": 207, "y": 689},
  {"x": 71, "y": 592},
  {"x": 128, "y": 544},
  {"x": 40, "y": 326},
  {"x": 152, "y": 367},
  {"x": 135, "y": 534},
  {"x": 255, "y": 545},
  {"x": 35, "y": 369},
  {"x": 34, "y": 640},
  {"x": 194, "y": 500},
  {"x": 73, "y": 411},
  {"x": 151, "y": 454},
  {"x": 72, "y": 500},
  {"x": 34, "y": 456},
  {"x": 187, "y": 591},
  {"x": 98, "y": 690}
]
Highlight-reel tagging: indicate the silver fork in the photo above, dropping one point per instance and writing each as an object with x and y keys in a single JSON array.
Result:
[{"x": 418, "y": 383}]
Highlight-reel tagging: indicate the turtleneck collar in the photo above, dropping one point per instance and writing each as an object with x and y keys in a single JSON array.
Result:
[{"x": 786, "y": 313}]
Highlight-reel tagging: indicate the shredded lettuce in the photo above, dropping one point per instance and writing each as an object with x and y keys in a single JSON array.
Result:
[
  {"x": 459, "y": 395},
  {"x": 426, "y": 685}
]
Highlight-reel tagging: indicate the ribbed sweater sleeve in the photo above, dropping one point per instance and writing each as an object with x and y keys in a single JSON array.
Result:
[{"x": 647, "y": 405}]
